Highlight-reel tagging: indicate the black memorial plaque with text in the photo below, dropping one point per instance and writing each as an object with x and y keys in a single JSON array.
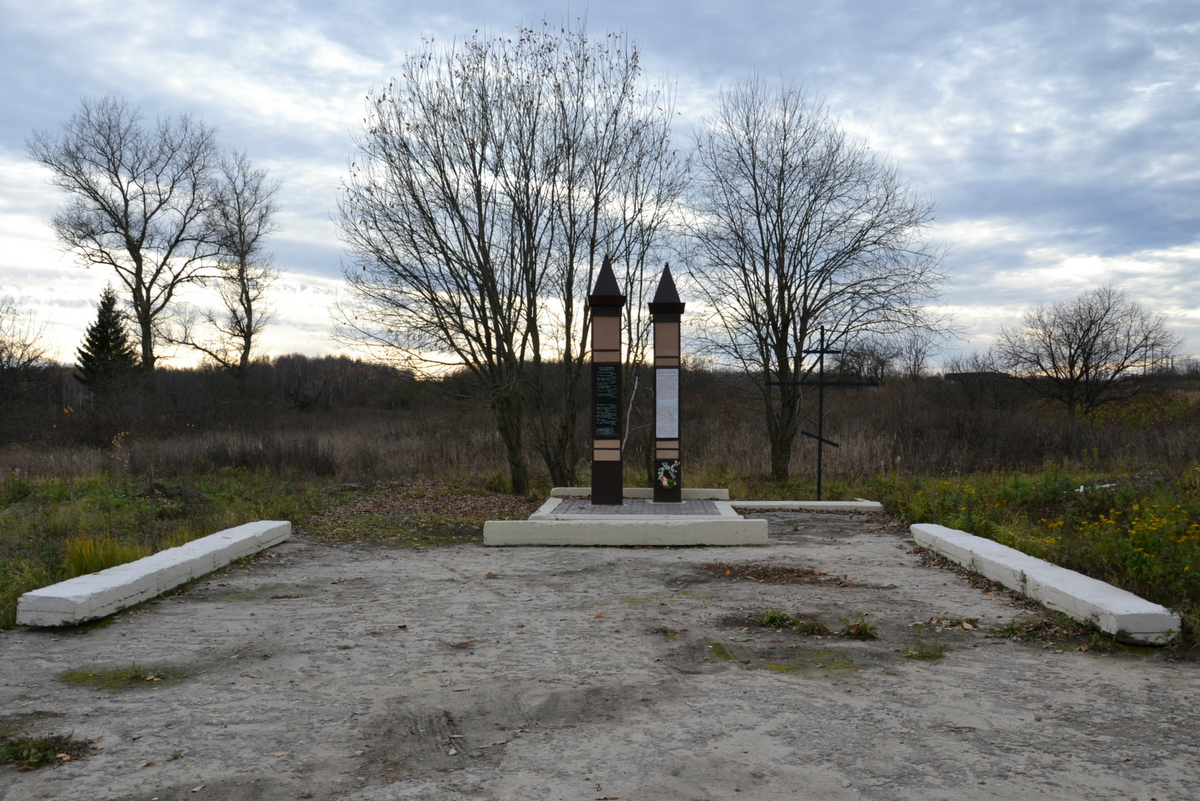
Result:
[{"x": 606, "y": 388}]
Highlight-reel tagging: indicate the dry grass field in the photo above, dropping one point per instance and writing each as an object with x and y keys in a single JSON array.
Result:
[{"x": 98, "y": 489}]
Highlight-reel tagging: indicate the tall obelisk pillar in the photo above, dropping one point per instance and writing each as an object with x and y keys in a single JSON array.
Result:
[
  {"x": 666, "y": 313},
  {"x": 605, "y": 304}
]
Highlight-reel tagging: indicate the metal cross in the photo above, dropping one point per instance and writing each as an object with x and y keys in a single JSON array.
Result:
[{"x": 820, "y": 384}]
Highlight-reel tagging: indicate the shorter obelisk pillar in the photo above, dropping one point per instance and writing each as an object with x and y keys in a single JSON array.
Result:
[
  {"x": 666, "y": 313},
  {"x": 605, "y": 304}
]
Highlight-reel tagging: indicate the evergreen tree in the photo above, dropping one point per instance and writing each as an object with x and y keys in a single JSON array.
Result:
[{"x": 106, "y": 358}]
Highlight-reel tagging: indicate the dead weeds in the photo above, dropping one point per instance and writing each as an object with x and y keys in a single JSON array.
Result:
[
  {"x": 772, "y": 574},
  {"x": 417, "y": 513}
]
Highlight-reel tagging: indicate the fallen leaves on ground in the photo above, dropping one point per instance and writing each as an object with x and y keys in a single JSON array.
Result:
[
  {"x": 772, "y": 574},
  {"x": 420, "y": 505}
]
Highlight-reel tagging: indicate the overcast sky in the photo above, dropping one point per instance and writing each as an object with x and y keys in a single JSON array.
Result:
[{"x": 1061, "y": 141}]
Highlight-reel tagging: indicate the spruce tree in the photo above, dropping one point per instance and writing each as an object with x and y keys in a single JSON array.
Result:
[{"x": 106, "y": 358}]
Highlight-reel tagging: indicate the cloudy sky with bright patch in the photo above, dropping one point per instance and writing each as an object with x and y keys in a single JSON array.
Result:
[{"x": 1061, "y": 141}]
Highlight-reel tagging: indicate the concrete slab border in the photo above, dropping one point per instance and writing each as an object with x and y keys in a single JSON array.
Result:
[
  {"x": 858, "y": 505},
  {"x": 547, "y": 511},
  {"x": 99, "y": 594},
  {"x": 689, "y": 493},
  {"x": 628, "y": 531},
  {"x": 1114, "y": 611},
  {"x": 709, "y": 494}
]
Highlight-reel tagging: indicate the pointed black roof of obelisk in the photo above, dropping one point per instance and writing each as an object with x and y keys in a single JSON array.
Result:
[
  {"x": 606, "y": 292},
  {"x": 666, "y": 298}
]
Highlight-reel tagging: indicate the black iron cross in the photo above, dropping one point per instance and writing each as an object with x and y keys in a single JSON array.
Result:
[{"x": 820, "y": 384}]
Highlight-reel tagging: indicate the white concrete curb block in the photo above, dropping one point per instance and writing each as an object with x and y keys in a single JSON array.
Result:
[
  {"x": 616, "y": 531},
  {"x": 702, "y": 494},
  {"x": 687, "y": 493},
  {"x": 812, "y": 506},
  {"x": 99, "y": 594},
  {"x": 1112, "y": 610}
]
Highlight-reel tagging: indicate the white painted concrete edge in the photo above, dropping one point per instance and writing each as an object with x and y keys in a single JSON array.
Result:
[
  {"x": 547, "y": 511},
  {"x": 702, "y": 494},
  {"x": 813, "y": 506},
  {"x": 676, "y": 531},
  {"x": 1112, "y": 610},
  {"x": 99, "y": 594},
  {"x": 688, "y": 493}
]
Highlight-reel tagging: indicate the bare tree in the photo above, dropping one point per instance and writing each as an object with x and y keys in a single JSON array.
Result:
[
  {"x": 797, "y": 225},
  {"x": 240, "y": 219},
  {"x": 138, "y": 201},
  {"x": 1086, "y": 351},
  {"x": 22, "y": 355},
  {"x": 866, "y": 358},
  {"x": 492, "y": 177},
  {"x": 618, "y": 180}
]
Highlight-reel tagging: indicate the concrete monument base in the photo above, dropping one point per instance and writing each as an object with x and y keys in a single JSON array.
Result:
[{"x": 569, "y": 519}]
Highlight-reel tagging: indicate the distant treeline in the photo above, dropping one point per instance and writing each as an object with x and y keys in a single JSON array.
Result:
[
  {"x": 389, "y": 422},
  {"x": 53, "y": 404}
]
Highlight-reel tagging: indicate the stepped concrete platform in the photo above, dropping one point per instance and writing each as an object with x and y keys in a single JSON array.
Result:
[
  {"x": 1114, "y": 611},
  {"x": 699, "y": 493},
  {"x": 645, "y": 493},
  {"x": 568, "y": 518},
  {"x": 99, "y": 594}
]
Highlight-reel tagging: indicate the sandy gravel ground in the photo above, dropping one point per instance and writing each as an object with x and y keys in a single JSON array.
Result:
[{"x": 370, "y": 673}]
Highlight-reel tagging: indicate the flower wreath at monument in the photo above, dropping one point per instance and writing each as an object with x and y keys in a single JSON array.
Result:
[{"x": 668, "y": 473}]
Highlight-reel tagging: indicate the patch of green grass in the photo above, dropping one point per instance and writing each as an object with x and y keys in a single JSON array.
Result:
[
  {"x": 720, "y": 650},
  {"x": 1063, "y": 631},
  {"x": 85, "y": 553},
  {"x": 859, "y": 628},
  {"x": 800, "y": 623},
  {"x": 31, "y": 753},
  {"x": 823, "y": 660},
  {"x": 918, "y": 648},
  {"x": 1016, "y": 630},
  {"x": 120, "y": 678},
  {"x": 762, "y": 488},
  {"x": 53, "y": 529},
  {"x": 810, "y": 627},
  {"x": 1139, "y": 532},
  {"x": 774, "y": 619}
]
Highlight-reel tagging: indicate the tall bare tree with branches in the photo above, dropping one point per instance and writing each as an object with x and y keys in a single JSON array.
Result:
[
  {"x": 240, "y": 219},
  {"x": 23, "y": 356},
  {"x": 138, "y": 201},
  {"x": 1086, "y": 351},
  {"x": 492, "y": 177},
  {"x": 797, "y": 225}
]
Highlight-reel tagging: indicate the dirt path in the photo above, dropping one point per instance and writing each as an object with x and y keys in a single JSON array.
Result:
[{"x": 371, "y": 673}]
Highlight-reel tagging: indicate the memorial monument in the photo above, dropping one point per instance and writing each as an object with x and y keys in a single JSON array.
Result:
[
  {"x": 608, "y": 472},
  {"x": 607, "y": 513},
  {"x": 666, "y": 315}
]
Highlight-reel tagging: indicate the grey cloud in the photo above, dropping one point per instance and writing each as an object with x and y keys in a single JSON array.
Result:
[{"x": 1075, "y": 123}]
